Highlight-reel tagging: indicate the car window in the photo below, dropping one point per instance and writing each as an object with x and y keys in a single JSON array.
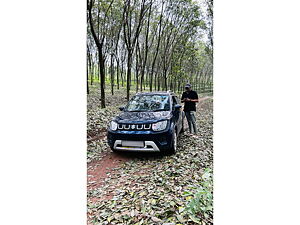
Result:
[
  {"x": 174, "y": 102},
  {"x": 143, "y": 103}
]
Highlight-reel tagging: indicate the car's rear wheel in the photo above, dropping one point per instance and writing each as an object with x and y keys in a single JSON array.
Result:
[{"x": 173, "y": 148}]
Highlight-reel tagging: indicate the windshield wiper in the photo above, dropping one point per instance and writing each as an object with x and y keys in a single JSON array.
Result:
[
  {"x": 137, "y": 111},
  {"x": 157, "y": 110}
]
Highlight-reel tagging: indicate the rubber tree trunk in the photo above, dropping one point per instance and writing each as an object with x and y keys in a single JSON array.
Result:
[
  {"x": 118, "y": 85},
  {"x": 101, "y": 60},
  {"x": 165, "y": 81},
  {"x": 137, "y": 69},
  {"x": 150, "y": 81},
  {"x": 112, "y": 75},
  {"x": 87, "y": 80},
  {"x": 122, "y": 75},
  {"x": 128, "y": 76},
  {"x": 102, "y": 79}
]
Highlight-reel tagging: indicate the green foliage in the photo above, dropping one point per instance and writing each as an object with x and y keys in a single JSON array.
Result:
[
  {"x": 202, "y": 202},
  {"x": 177, "y": 53}
]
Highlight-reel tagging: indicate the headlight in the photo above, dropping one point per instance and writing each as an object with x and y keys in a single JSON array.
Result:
[
  {"x": 113, "y": 125},
  {"x": 159, "y": 125}
]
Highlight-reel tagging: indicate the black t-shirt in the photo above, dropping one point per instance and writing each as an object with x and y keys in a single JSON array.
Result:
[{"x": 189, "y": 106}]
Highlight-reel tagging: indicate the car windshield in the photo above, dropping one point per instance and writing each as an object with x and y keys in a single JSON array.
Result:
[{"x": 146, "y": 103}]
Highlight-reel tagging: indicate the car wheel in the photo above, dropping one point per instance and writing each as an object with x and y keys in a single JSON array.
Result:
[
  {"x": 173, "y": 148},
  {"x": 182, "y": 128}
]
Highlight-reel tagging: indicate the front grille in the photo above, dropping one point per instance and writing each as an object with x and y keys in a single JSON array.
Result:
[{"x": 134, "y": 126}]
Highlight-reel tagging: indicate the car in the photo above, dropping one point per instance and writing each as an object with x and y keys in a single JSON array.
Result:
[{"x": 150, "y": 122}]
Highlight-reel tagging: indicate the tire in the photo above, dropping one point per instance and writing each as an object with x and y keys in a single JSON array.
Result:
[
  {"x": 173, "y": 148},
  {"x": 182, "y": 128}
]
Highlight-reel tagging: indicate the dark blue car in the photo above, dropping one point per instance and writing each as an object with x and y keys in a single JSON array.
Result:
[{"x": 150, "y": 122}]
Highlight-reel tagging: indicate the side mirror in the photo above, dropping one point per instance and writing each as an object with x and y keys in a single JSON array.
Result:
[
  {"x": 177, "y": 106},
  {"x": 121, "y": 108}
]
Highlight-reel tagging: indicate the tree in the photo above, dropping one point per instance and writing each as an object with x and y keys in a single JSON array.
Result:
[
  {"x": 160, "y": 44},
  {"x": 99, "y": 41},
  {"x": 132, "y": 25}
]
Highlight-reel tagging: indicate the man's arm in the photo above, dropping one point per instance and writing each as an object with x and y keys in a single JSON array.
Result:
[
  {"x": 183, "y": 99},
  {"x": 191, "y": 100},
  {"x": 194, "y": 99}
]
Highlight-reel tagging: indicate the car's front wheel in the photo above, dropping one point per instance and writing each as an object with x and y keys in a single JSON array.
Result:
[
  {"x": 113, "y": 150},
  {"x": 173, "y": 148},
  {"x": 182, "y": 127}
]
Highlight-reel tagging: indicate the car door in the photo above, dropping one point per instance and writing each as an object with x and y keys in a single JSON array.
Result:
[
  {"x": 181, "y": 115},
  {"x": 177, "y": 113}
]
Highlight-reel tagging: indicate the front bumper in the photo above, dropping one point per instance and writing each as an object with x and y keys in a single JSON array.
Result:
[
  {"x": 149, "y": 146},
  {"x": 153, "y": 141}
]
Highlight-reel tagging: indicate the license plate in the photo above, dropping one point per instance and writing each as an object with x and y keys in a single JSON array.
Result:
[{"x": 132, "y": 144}]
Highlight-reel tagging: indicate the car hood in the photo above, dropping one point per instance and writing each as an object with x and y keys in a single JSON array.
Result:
[{"x": 129, "y": 117}]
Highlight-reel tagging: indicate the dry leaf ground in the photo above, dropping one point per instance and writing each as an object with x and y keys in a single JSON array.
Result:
[{"x": 144, "y": 188}]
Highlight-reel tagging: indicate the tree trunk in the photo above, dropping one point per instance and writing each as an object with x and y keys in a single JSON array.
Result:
[
  {"x": 101, "y": 57},
  {"x": 98, "y": 71},
  {"x": 137, "y": 68},
  {"x": 166, "y": 83},
  {"x": 158, "y": 83},
  {"x": 155, "y": 81},
  {"x": 118, "y": 85},
  {"x": 157, "y": 47},
  {"x": 150, "y": 83},
  {"x": 146, "y": 49},
  {"x": 102, "y": 78},
  {"x": 128, "y": 76},
  {"x": 112, "y": 75},
  {"x": 122, "y": 74},
  {"x": 89, "y": 64},
  {"x": 87, "y": 80},
  {"x": 92, "y": 73}
]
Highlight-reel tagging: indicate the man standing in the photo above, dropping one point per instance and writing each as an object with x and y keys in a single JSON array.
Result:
[{"x": 190, "y": 97}]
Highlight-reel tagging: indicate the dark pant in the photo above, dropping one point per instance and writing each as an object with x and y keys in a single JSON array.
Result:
[{"x": 190, "y": 116}]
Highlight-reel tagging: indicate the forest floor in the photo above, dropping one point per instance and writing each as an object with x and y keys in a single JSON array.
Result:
[{"x": 139, "y": 188}]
